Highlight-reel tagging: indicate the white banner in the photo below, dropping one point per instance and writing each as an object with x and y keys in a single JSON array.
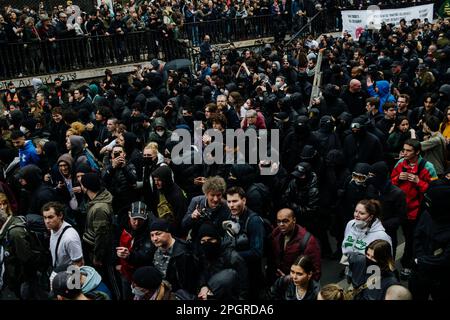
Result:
[{"x": 355, "y": 21}]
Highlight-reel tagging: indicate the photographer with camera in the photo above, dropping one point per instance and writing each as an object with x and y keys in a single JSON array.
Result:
[
  {"x": 120, "y": 179},
  {"x": 209, "y": 207}
]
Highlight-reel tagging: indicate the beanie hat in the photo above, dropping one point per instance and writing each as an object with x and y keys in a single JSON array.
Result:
[
  {"x": 208, "y": 230},
  {"x": 160, "y": 225},
  {"x": 91, "y": 181},
  {"x": 147, "y": 278}
]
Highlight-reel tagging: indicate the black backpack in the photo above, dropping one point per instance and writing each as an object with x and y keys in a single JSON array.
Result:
[{"x": 39, "y": 239}]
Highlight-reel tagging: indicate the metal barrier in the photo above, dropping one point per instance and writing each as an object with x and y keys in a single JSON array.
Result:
[
  {"x": 38, "y": 58},
  {"x": 228, "y": 30}
]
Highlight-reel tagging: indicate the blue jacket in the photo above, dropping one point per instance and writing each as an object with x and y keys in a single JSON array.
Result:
[
  {"x": 383, "y": 93},
  {"x": 28, "y": 154}
]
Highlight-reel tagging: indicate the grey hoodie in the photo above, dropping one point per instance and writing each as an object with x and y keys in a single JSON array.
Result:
[{"x": 356, "y": 240}]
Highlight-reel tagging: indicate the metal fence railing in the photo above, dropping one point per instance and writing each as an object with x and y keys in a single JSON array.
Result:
[
  {"x": 228, "y": 30},
  {"x": 30, "y": 59}
]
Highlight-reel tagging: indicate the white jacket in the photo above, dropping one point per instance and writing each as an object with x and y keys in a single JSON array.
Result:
[{"x": 356, "y": 240}]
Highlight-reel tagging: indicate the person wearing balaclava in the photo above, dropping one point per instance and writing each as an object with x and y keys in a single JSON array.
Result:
[
  {"x": 133, "y": 154},
  {"x": 331, "y": 104},
  {"x": 294, "y": 143},
  {"x": 328, "y": 138},
  {"x": 361, "y": 146},
  {"x": 432, "y": 241},
  {"x": 35, "y": 192},
  {"x": 391, "y": 197},
  {"x": 223, "y": 272},
  {"x": 302, "y": 195}
]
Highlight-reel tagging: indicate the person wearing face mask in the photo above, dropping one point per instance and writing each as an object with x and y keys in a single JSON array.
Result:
[
  {"x": 161, "y": 133},
  {"x": 392, "y": 199},
  {"x": 365, "y": 228},
  {"x": 134, "y": 243},
  {"x": 11, "y": 97},
  {"x": 152, "y": 160},
  {"x": 148, "y": 284},
  {"x": 223, "y": 272},
  {"x": 361, "y": 145},
  {"x": 367, "y": 284},
  {"x": 302, "y": 195}
]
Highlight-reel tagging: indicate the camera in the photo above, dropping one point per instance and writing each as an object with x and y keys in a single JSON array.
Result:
[
  {"x": 117, "y": 154},
  {"x": 205, "y": 213}
]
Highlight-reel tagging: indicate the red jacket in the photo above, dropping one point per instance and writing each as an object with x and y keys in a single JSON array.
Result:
[
  {"x": 285, "y": 257},
  {"x": 414, "y": 191},
  {"x": 126, "y": 240}
]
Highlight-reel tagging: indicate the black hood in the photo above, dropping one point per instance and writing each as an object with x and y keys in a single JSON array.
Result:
[
  {"x": 32, "y": 174},
  {"x": 326, "y": 124},
  {"x": 362, "y": 168},
  {"x": 164, "y": 173},
  {"x": 130, "y": 142},
  {"x": 380, "y": 170},
  {"x": 445, "y": 89},
  {"x": 335, "y": 158},
  {"x": 242, "y": 175}
]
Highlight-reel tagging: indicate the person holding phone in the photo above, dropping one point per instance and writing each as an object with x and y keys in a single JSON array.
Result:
[{"x": 120, "y": 179}]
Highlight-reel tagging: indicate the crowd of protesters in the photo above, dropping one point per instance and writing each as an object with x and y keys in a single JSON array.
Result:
[
  {"x": 67, "y": 37},
  {"x": 366, "y": 158}
]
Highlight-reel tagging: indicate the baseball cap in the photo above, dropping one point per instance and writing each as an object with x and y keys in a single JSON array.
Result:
[{"x": 138, "y": 210}]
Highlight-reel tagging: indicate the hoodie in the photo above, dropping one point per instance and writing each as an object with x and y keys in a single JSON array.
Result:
[
  {"x": 172, "y": 203},
  {"x": 383, "y": 93},
  {"x": 356, "y": 240},
  {"x": 28, "y": 154}
]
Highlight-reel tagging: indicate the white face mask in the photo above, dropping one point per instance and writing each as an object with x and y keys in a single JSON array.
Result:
[
  {"x": 160, "y": 132},
  {"x": 137, "y": 292},
  {"x": 361, "y": 224},
  {"x": 24, "y": 130},
  {"x": 12, "y": 90}
]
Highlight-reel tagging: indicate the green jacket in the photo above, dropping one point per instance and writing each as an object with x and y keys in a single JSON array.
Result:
[
  {"x": 98, "y": 231},
  {"x": 19, "y": 257}
]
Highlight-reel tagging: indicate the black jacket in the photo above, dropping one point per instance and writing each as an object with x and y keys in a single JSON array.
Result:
[{"x": 284, "y": 289}]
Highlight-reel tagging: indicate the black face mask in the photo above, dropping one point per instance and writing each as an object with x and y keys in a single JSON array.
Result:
[
  {"x": 210, "y": 249},
  {"x": 148, "y": 161},
  {"x": 188, "y": 119}
]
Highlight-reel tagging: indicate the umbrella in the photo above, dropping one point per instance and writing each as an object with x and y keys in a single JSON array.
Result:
[{"x": 178, "y": 64}]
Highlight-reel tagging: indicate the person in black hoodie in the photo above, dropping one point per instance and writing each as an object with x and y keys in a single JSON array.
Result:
[
  {"x": 392, "y": 198},
  {"x": 133, "y": 155},
  {"x": 36, "y": 192},
  {"x": 361, "y": 146},
  {"x": 223, "y": 272},
  {"x": 328, "y": 138},
  {"x": 432, "y": 245},
  {"x": 332, "y": 190},
  {"x": 331, "y": 104},
  {"x": 171, "y": 201},
  {"x": 295, "y": 141}
]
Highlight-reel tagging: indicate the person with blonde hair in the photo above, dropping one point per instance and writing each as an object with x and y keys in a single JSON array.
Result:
[{"x": 332, "y": 291}]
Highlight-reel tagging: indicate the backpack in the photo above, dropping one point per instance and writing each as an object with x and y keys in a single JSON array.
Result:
[
  {"x": 39, "y": 239},
  {"x": 93, "y": 162}
]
